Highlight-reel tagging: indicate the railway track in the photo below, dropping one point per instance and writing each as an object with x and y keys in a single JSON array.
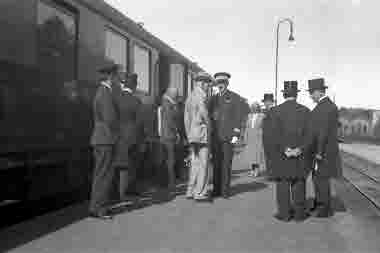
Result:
[{"x": 363, "y": 175}]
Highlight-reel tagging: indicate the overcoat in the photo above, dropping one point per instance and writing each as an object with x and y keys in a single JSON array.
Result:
[
  {"x": 130, "y": 128},
  {"x": 290, "y": 125},
  {"x": 323, "y": 138},
  {"x": 269, "y": 137},
  {"x": 105, "y": 130}
]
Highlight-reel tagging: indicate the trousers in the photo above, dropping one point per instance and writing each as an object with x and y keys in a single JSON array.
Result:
[
  {"x": 103, "y": 177},
  {"x": 199, "y": 171}
]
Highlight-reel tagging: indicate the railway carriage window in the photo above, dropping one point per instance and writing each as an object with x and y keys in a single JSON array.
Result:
[
  {"x": 116, "y": 48},
  {"x": 189, "y": 83},
  {"x": 57, "y": 40},
  {"x": 142, "y": 68}
]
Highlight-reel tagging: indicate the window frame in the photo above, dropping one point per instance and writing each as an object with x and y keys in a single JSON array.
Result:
[
  {"x": 139, "y": 45},
  {"x": 68, "y": 10},
  {"x": 109, "y": 28}
]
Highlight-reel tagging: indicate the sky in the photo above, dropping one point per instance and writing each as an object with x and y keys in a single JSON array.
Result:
[{"x": 338, "y": 40}]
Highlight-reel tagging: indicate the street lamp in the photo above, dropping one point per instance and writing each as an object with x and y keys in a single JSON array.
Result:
[{"x": 291, "y": 39}]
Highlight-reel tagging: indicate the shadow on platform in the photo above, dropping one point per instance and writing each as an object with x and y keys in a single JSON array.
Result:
[
  {"x": 247, "y": 187},
  {"x": 25, "y": 232},
  {"x": 337, "y": 204}
]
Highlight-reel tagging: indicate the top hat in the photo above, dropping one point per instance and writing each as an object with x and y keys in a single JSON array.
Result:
[
  {"x": 222, "y": 76},
  {"x": 268, "y": 97},
  {"x": 290, "y": 86},
  {"x": 203, "y": 76},
  {"x": 317, "y": 84}
]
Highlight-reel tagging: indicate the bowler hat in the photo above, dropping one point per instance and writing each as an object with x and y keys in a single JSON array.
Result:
[
  {"x": 203, "y": 76},
  {"x": 268, "y": 97},
  {"x": 317, "y": 84},
  {"x": 290, "y": 86},
  {"x": 222, "y": 76}
]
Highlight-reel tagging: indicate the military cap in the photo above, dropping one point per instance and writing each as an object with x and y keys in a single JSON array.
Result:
[
  {"x": 222, "y": 76},
  {"x": 203, "y": 76},
  {"x": 317, "y": 84},
  {"x": 290, "y": 86},
  {"x": 268, "y": 97}
]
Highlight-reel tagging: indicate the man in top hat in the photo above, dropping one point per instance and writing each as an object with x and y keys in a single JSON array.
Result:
[
  {"x": 268, "y": 132},
  {"x": 197, "y": 126},
  {"x": 323, "y": 142},
  {"x": 290, "y": 125},
  {"x": 103, "y": 140},
  {"x": 226, "y": 125}
]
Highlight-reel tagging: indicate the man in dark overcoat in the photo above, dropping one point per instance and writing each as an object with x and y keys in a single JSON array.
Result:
[
  {"x": 226, "y": 127},
  {"x": 290, "y": 123},
  {"x": 269, "y": 133},
  {"x": 170, "y": 132},
  {"x": 131, "y": 136},
  {"x": 104, "y": 137},
  {"x": 323, "y": 142}
]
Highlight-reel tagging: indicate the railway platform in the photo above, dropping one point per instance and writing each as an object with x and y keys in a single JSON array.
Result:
[{"x": 244, "y": 223}]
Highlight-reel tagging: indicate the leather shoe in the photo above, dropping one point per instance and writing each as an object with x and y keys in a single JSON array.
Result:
[
  {"x": 281, "y": 217},
  {"x": 301, "y": 217},
  {"x": 322, "y": 213},
  {"x": 101, "y": 215}
]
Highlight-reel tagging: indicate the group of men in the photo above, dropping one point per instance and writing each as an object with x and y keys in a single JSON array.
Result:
[
  {"x": 298, "y": 141},
  {"x": 213, "y": 123}
]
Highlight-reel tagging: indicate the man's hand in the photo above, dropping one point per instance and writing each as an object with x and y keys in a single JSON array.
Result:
[
  {"x": 293, "y": 152},
  {"x": 234, "y": 140},
  {"x": 318, "y": 157}
]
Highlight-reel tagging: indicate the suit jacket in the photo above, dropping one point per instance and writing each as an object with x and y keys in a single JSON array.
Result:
[
  {"x": 170, "y": 129},
  {"x": 323, "y": 138},
  {"x": 290, "y": 126},
  {"x": 105, "y": 130},
  {"x": 130, "y": 127},
  {"x": 269, "y": 138},
  {"x": 226, "y": 115},
  {"x": 196, "y": 117}
]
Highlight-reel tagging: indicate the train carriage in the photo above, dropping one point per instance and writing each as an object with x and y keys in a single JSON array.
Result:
[{"x": 50, "y": 51}]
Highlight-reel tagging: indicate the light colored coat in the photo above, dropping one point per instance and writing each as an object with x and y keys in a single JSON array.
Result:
[{"x": 196, "y": 117}]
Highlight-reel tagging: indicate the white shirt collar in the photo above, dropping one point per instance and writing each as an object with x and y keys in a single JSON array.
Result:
[
  {"x": 106, "y": 84},
  {"x": 290, "y": 99},
  {"x": 127, "y": 90},
  {"x": 171, "y": 100},
  {"x": 325, "y": 96}
]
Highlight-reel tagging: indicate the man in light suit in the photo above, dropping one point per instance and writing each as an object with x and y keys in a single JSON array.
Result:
[
  {"x": 104, "y": 137},
  {"x": 323, "y": 142},
  {"x": 197, "y": 125}
]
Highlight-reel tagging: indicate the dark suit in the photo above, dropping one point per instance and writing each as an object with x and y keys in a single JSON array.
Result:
[
  {"x": 170, "y": 134},
  {"x": 104, "y": 137},
  {"x": 226, "y": 116},
  {"x": 131, "y": 129},
  {"x": 290, "y": 125},
  {"x": 271, "y": 158},
  {"x": 323, "y": 140}
]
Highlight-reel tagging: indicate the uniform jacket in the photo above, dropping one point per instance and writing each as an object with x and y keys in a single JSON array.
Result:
[
  {"x": 196, "y": 117},
  {"x": 226, "y": 115},
  {"x": 130, "y": 128},
  {"x": 170, "y": 128},
  {"x": 291, "y": 122},
  {"x": 323, "y": 137},
  {"x": 105, "y": 130}
]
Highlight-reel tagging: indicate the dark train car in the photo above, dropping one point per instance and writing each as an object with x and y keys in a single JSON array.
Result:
[{"x": 50, "y": 51}]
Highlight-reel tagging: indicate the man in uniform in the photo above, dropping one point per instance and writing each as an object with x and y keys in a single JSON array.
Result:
[
  {"x": 323, "y": 140},
  {"x": 104, "y": 137},
  {"x": 226, "y": 124},
  {"x": 268, "y": 132},
  {"x": 290, "y": 123}
]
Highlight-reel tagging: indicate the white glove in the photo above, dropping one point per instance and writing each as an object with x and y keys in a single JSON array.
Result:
[{"x": 234, "y": 140}]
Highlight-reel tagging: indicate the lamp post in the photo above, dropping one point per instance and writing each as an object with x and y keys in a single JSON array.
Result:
[{"x": 291, "y": 38}]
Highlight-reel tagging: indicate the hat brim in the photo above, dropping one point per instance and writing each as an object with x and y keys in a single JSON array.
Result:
[
  {"x": 290, "y": 90},
  {"x": 205, "y": 79},
  {"x": 263, "y": 100},
  {"x": 319, "y": 88}
]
